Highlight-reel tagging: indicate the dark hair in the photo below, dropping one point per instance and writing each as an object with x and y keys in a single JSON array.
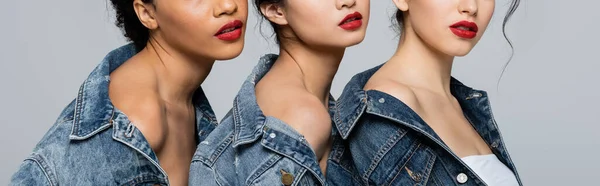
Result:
[
  {"x": 128, "y": 21},
  {"x": 274, "y": 26},
  {"x": 511, "y": 10}
]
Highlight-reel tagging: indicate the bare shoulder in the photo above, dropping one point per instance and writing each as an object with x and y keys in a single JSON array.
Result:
[
  {"x": 145, "y": 111},
  {"x": 293, "y": 105},
  {"x": 399, "y": 90},
  {"x": 300, "y": 110}
]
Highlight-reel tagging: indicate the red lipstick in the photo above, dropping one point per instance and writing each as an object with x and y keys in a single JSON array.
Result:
[
  {"x": 230, "y": 31},
  {"x": 464, "y": 29},
  {"x": 352, "y": 21}
]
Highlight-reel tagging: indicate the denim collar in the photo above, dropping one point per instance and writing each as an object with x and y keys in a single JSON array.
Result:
[
  {"x": 95, "y": 112},
  {"x": 249, "y": 119},
  {"x": 355, "y": 101},
  {"x": 250, "y": 123}
]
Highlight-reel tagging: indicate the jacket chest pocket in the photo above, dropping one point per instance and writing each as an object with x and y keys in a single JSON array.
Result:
[
  {"x": 416, "y": 167},
  {"x": 407, "y": 162},
  {"x": 283, "y": 173}
]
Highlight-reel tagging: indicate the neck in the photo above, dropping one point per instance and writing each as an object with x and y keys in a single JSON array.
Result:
[
  {"x": 315, "y": 66},
  {"x": 178, "y": 75},
  {"x": 420, "y": 65}
]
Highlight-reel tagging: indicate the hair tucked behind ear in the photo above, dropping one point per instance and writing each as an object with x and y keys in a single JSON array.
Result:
[
  {"x": 275, "y": 27},
  {"x": 128, "y": 21}
]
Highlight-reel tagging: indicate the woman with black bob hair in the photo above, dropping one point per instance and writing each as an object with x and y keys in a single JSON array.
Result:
[{"x": 279, "y": 131}]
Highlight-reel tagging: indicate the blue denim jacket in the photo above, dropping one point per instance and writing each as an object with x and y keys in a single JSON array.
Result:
[
  {"x": 93, "y": 143},
  {"x": 391, "y": 145},
  {"x": 249, "y": 148}
]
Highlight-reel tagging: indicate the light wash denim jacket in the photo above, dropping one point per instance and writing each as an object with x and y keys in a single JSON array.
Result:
[
  {"x": 391, "y": 145},
  {"x": 249, "y": 148},
  {"x": 93, "y": 143}
]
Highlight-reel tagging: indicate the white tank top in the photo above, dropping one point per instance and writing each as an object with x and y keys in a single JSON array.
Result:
[{"x": 491, "y": 170}]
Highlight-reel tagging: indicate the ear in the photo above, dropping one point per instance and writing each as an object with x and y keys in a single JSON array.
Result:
[
  {"x": 146, "y": 14},
  {"x": 402, "y": 5},
  {"x": 274, "y": 13}
]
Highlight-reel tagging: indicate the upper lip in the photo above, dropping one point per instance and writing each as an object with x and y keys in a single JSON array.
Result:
[
  {"x": 235, "y": 24},
  {"x": 355, "y": 16},
  {"x": 467, "y": 24}
]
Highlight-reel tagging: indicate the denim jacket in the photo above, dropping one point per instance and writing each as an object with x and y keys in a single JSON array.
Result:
[
  {"x": 391, "y": 145},
  {"x": 93, "y": 143},
  {"x": 249, "y": 148}
]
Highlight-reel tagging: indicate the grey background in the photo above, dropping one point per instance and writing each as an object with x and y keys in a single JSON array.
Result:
[{"x": 546, "y": 104}]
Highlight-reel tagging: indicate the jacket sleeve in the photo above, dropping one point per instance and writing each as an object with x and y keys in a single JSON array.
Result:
[{"x": 30, "y": 173}]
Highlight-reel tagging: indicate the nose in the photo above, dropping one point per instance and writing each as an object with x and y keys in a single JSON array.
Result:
[
  {"x": 468, "y": 7},
  {"x": 345, "y": 4},
  {"x": 225, "y": 7}
]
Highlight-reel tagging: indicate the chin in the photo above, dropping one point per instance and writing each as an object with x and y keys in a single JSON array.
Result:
[
  {"x": 228, "y": 52},
  {"x": 458, "y": 51},
  {"x": 351, "y": 41},
  {"x": 459, "y": 54}
]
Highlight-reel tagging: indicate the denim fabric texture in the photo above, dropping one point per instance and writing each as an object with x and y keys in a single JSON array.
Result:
[
  {"x": 391, "y": 145},
  {"x": 94, "y": 143},
  {"x": 249, "y": 148}
]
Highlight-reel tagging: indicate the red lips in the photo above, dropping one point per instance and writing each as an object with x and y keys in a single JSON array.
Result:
[
  {"x": 464, "y": 29},
  {"x": 230, "y": 31},
  {"x": 352, "y": 21}
]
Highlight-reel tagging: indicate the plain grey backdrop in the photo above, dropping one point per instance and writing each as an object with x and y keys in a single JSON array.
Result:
[{"x": 546, "y": 104}]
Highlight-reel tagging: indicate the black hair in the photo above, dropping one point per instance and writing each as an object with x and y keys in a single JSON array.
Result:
[
  {"x": 399, "y": 17},
  {"x": 128, "y": 21},
  {"x": 274, "y": 26}
]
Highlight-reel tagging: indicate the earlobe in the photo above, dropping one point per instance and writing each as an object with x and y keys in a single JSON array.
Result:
[
  {"x": 145, "y": 13},
  {"x": 402, "y": 5},
  {"x": 274, "y": 13}
]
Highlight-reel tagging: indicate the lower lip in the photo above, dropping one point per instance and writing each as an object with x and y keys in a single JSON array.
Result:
[
  {"x": 231, "y": 36},
  {"x": 467, "y": 34},
  {"x": 352, "y": 25}
]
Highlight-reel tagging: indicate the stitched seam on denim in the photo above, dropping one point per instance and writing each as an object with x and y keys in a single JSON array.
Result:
[
  {"x": 216, "y": 176},
  {"x": 147, "y": 157},
  {"x": 299, "y": 163},
  {"x": 347, "y": 170},
  {"x": 44, "y": 168},
  {"x": 94, "y": 132},
  {"x": 436, "y": 181},
  {"x": 263, "y": 168},
  {"x": 215, "y": 155},
  {"x": 449, "y": 173},
  {"x": 399, "y": 169},
  {"x": 429, "y": 167},
  {"x": 502, "y": 140},
  {"x": 438, "y": 142},
  {"x": 77, "y": 111},
  {"x": 337, "y": 150},
  {"x": 210, "y": 117},
  {"x": 144, "y": 179},
  {"x": 204, "y": 163},
  {"x": 299, "y": 177},
  {"x": 236, "y": 120},
  {"x": 346, "y": 129},
  {"x": 383, "y": 151}
]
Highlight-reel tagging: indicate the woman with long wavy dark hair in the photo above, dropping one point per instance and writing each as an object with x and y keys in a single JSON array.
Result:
[{"x": 409, "y": 122}]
